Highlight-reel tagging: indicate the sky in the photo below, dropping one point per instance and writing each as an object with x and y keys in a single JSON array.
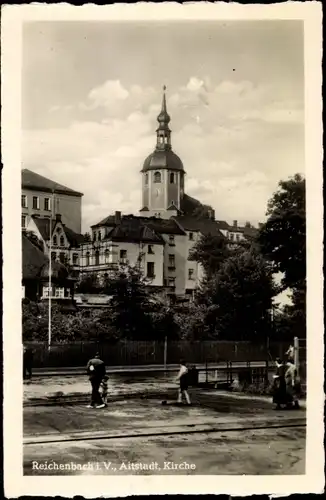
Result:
[{"x": 91, "y": 92}]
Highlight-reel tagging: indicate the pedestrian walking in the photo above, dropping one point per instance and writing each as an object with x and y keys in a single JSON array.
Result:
[
  {"x": 96, "y": 373},
  {"x": 183, "y": 378}
]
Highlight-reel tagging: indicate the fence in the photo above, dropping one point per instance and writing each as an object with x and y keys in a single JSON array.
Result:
[{"x": 133, "y": 353}]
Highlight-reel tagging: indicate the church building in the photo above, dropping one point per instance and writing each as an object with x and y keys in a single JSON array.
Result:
[
  {"x": 162, "y": 174},
  {"x": 162, "y": 236}
]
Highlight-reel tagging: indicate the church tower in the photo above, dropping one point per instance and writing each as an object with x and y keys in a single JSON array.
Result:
[{"x": 162, "y": 173}]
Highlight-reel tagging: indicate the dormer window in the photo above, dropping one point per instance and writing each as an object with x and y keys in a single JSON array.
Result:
[
  {"x": 55, "y": 240},
  {"x": 62, "y": 241},
  {"x": 157, "y": 177}
]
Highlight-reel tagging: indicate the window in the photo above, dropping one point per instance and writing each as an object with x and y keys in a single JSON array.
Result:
[
  {"x": 231, "y": 236},
  {"x": 24, "y": 201},
  {"x": 24, "y": 221},
  {"x": 99, "y": 237},
  {"x": 146, "y": 179},
  {"x": 62, "y": 257},
  {"x": 97, "y": 258},
  {"x": 123, "y": 256},
  {"x": 171, "y": 240},
  {"x": 47, "y": 204},
  {"x": 190, "y": 274},
  {"x": 87, "y": 259},
  {"x": 172, "y": 178},
  {"x": 46, "y": 292},
  {"x": 94, "y": 236},
  {"x": 171, "y": 282},
  {"x": 36, "y": 203},
  {"x": 59, "y": 293},
  {"x": 191, "y": 236},
  {"x": 53, "y": 255},
  {"x": 62, "y": 241},
  {"x": 55, "y": 241},
  {"x": 107, "y": 255},
  {"x": 237, "y": 236},
  {"x": 150, "y": 249},
  {"x": 75, "y": 258},
  {"x": 171, "y": 261},
  {"x": 157, "y": 177},
  {"x": 150, "y": 270}
]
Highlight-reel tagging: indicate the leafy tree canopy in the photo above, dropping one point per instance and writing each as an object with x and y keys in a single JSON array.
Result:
[
  {"x": 283, "y": 238},
  {"x": 210, "y": 251},
  {"x": 239, "y": 297}
]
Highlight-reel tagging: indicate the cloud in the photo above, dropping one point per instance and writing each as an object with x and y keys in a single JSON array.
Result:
[{"x": 236, "y": 141}]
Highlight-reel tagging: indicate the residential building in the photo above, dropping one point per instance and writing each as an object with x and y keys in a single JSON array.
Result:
[
  {"x": 36, "y": 282},
  {"x": 45, "y": 198},
  {"x": 57, "y": 238}
]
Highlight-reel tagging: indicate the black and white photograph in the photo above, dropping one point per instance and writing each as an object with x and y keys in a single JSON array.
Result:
[{"x": 168, "y": 264}]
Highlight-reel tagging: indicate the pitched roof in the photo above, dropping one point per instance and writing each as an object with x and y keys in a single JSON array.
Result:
[
  {"x": 32, "y": 180},
  {"x": 43, "y": 225},
  {"x": 129, "y": 223},
  {"x": 33, "y": 260},
  {"x": 205, "y": 226},
  {"x": 164, "y": 226},
  {"x": 134, "y": 229},
  {"x": 74, "y": 239}
]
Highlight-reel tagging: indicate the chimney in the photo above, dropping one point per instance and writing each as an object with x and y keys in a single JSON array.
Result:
[
  {"x": 247, "y": 224},
  {"x": 117, "y": 217},
  {"x": 235, "y": 223},
  {"x": 58, "y": 217}
]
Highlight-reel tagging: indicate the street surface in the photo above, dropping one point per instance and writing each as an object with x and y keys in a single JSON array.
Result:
[{"x": 219, "y": 434}]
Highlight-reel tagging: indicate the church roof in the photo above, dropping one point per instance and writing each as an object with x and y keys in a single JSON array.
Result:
[
  {"x": 165, "y": 159},
  {"x": 32, "y": 180}
]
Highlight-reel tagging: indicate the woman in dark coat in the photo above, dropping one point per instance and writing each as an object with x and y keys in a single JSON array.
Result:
[{"x": 280, "y": 394}]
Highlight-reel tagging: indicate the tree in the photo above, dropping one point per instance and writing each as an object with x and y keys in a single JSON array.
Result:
[
  {"x": 131, "y": 303},
  {"x": 82, "y": 325},
  {"x": 203, "y": 212},
  {"x": 89, "y": 283},
  {"x": 283, "y": 238},
  {"x": 239, "y": 298},
  {"x": 210, "y": 251}
]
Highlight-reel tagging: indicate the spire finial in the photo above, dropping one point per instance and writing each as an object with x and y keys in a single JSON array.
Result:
[{"x": 164, "y": 88}]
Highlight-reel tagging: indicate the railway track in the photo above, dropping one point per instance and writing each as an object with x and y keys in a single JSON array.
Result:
[{"x": 166, "y": 431}]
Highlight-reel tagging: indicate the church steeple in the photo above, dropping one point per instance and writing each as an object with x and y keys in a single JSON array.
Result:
[{"x": 163, "y": 131}]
